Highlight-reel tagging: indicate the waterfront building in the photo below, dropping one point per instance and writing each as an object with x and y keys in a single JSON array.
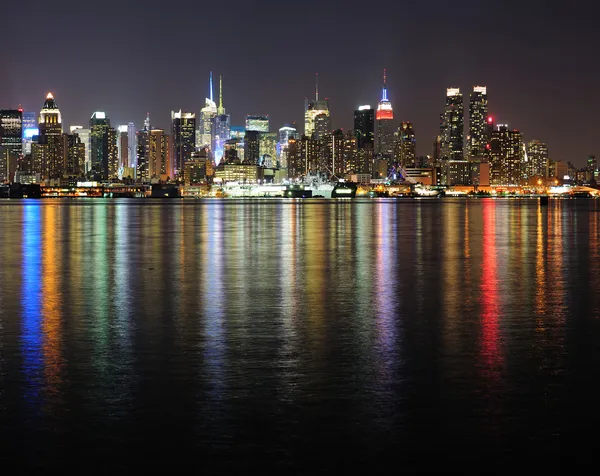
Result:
[
  {"x": 48, "y": 155},
  {"x": 452, "y": 126},
  {"x": 478, "y": 117},
  {"x": 364, "y": 126},
  {"x": 385, "y": 123},
  {"x": 183, "y": 127},
  {"x": 537, "y": 159},
  {"x": 159, "y": 151},
  {"x": 11, "y": 141},
  {"x": 103, "y": 147},
  {"x": 506, "y": 154}
]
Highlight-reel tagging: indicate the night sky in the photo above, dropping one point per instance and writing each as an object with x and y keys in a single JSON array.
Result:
[{"x": 539, "y": 60}]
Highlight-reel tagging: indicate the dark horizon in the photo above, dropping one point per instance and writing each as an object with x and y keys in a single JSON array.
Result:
[{"x": 536, "y": 60}]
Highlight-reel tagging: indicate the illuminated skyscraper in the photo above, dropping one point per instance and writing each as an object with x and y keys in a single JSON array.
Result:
[
  {"x": 452, "y": 126},
  {"x": 205, "y": 127},
  {"x": 123, "y": 146},
  {"x": 103, "y": 147},
  {"x": 75, "y": 155},
  {"x": 131, "y": 145},
  {"x": 478, "y": 116},
  {"x": 30, "y": 129},
  {"x": 184, "y": 139},
  {"x": 158, "y": 153},
  {"x": 364, "y": 127},
  {"x": 317, "y": 119},
  {"x": 257, "y": 123},
  {"x": 385, "y": 123},
  {"x": 406, "y": 145},
  {"x": 221, "y": 131},
  {"x": 49, "y": 160},
  {"x": 506, "y": 154},
  {"x": 285, "y": 134},
  {"x": 267, "y": 148},
  {"x": 537, "y": 159}
]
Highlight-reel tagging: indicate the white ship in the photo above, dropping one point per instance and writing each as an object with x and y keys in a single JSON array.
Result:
[{"x": 319, "y": 185}]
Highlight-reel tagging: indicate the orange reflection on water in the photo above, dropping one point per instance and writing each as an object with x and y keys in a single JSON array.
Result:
[
  {"x": 540, "y": 270},
  {"x": 490, "y": 306},
  {"x": 51, "y": 299}
]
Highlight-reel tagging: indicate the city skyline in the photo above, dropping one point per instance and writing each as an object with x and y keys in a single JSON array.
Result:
[{"x": 536, "y": 68}]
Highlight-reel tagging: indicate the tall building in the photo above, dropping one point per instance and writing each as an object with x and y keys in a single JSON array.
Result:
[
  {"x": 267, "y": 149},
  {"x": 74, "y": 155},
  {"x": 252, "y": 147},
  {"x": 317, "y": 118},
  {"x": 257, "y": 123},
  {"x": 452, "y": 126},
  {"x": 303, "y": 157},
  {"x": 11, "y": 141},
  {"x": 506, "y": 154},
  {"x": 49, "y": 154},
  {"x": 30, "y": 130},
  {"x": 205, "y": 127},
  {"x": 478, "y": 117},
  {"x": 131, "y": 145},
  {"x": 221, "y": 131},
  {"x": 123, "y": 146},
  {"x": 285, "y": 134},
  {"x": 406, "y": 145},
  {"x": 364, "y": 126},
  {"x": 385, "y": 123},
  {"x": 159, "y": 145},
  {"x": 142, "y": 152},
  {"x": 184, "y": 138},
  {"x": 103, "y": 147},
  {"x": 537, "y": 159},
  {"x": 333, "y": 154}
]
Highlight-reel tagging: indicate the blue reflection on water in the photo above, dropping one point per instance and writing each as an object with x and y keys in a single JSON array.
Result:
[{"x": 31, "y": 340}]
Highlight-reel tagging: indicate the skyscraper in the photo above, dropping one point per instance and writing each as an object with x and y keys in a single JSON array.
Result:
[
  {"x": 385, "y": 123},
  {"x": 30, "y": 130},
  {"x": 478, "y": 116},
  {"x": 207, "y": 114},
  {"x": 184, "y": 138},
  {"x": 285, "y": 134},
  {"x": 50, "y": 151},
  {"x": 221, "y": 131},
  {"x": 103, "y": 147},
  {"x": 406, "y": 145},
  {"x": 364, "y": 126},
  {"x": 537, "y": 159},
  {"x": 251, "y": 147},
  {"x": 267, "y": 148},
  {"x": 158, "y": 153},
  {"x": 317, "y": 119},
  {"x": 506, "y": 152},
  {"x": 11, "y": 140},
  {"x": 257, "y": 123},
  {"x": 123, "y": 145},
  {"x": 75, "y": 155},
  {"x": 452, "y": 126}
]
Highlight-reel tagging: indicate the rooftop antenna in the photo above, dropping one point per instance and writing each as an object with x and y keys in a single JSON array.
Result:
[
  {"x": 317, "y": 87},
  {"x": 384, "y": 96},
  {"x": 221, "y": 108}
]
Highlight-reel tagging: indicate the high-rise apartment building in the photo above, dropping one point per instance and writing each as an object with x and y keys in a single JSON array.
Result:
[
  {"x": 506, "y": 154},
  {"x": 385, "y": 123},
  {"x": 285, "y": 134},
  {"x": 364, "y": 126},
  {"x": 103, "y": 147},
  {"x": 317, "y": 118},
  {"x": 452, "y": 126},
  {"x": 478, "y": 117},
  {"x": 184, "y": 138},
  {"x": 74, "y": 155},
  {"x": 537, "y": 159},
  {"x": 406, "y": 145},
  {"x": 257, "y": 123},
  {"x": 159, "y": 146}
]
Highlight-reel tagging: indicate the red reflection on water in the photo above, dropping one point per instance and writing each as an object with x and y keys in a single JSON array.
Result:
[{"x": 490, "y": 306}]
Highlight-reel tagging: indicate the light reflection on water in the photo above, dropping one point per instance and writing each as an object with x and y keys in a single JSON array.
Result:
[{"x": 266, "y": 329}]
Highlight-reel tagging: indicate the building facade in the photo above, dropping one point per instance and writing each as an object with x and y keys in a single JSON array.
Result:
[{"x": 478, "y": 116}]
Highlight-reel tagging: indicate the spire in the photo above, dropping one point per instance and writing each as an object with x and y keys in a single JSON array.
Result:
[
  {"x": 317, "y": 87},
  {"x": 147, "y": 122},
  {"x": 384, "y": 92},
  {"x": 221, "y": 109},
  {"x": 210, "y": 92}
]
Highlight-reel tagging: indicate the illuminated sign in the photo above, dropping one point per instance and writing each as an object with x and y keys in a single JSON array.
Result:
[{"x": 30, "y": 132}]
